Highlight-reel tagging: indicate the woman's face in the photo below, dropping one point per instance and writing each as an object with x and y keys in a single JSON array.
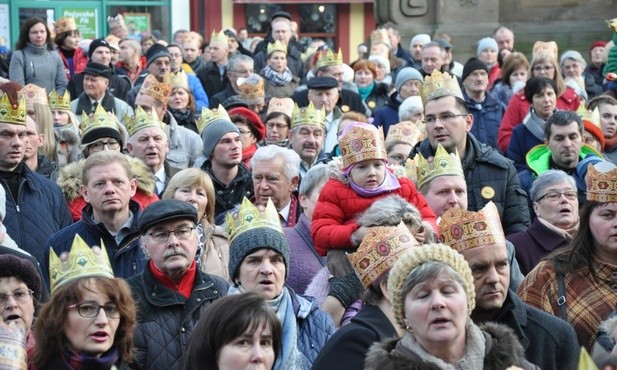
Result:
[
  {"x": 544, "y": 69},
  {"x": 276, "y": 129},
  {"x": 544, "y": 102},
  {"x": 37, "y": 34},
  {"x": 91, "y": 336},
  {"x": 263, "y": 271},
  {"x": 399, "y": 153},
  {"x": 195, "y": 195},
  {"x": 248, "y": 352},
  {"x": 488, "y": 56},
  {"x": 19, "y": 306},
  {"x": 571, "y": 68},
  {"x": 72, "y": 41},
  {"x": 278, "y": 61},
  {"x": 561, "y": 211},
  {"x": 60, "y": 117},
  {"x": 363, "y": 77},
  {"x": 146, "y": 45},
  {"x": 368, "y": 174},
  {"x": 246, "y": 135},
  {"x": 179, "y": 99},
  {"x": 519, "y": 74},
  {"x": 436, "y": 311},
  {"x": 381, "y": 71},
  {"x": 603, "y": 225},
  {"x": 308, "y": 203}
]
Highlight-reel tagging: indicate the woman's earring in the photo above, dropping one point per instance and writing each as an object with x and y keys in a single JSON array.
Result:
[{"x": 410, "y": 330}]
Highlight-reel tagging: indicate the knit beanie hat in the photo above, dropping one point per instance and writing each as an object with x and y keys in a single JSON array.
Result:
[
  {"x": 380, "y": 60},
  {"x": 214, "y": 131},
  {"x": 421, "y": 37},
  {"x": 24, "y": 270},
  {"x": 250, "y": 241},
  {"x": 415, "y": 257},
  {"x": 97, "y": 43},
  {"x": 472, "y": 65},
  {"x": 485, "y": 43},
  {"x": 597, "y": 44},
  {"x": 156, "y": 51},
  {"x": 406, "y": 74}
]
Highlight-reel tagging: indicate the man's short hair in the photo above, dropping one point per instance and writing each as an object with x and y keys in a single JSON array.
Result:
[
  {"x": 599, "y": 100},
  {"x": 291, "y": 159},
  {"x": 233, "y": 62},
  {"x": 435, "y": 44},
  {"x": 133, "y": 44},
  {"x": 103, "y": 158},
  {"x": 562, "y": 118}
]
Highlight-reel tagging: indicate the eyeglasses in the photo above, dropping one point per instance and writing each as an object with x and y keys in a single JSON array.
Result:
[
  {"x": 541, "y": 68},
  {"x": 100, "y": 145},
  {"x": 19, "y": 295},
  {"x": 446, "y": 117},
  {"x": 182, "y": 233},
  {"x": 279, "y": 126},
  {"x": 554, "y": 195},
  {"x": 91, "y": 310}
]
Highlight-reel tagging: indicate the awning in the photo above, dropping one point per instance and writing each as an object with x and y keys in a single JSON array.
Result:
[{"x": 301, "y": 1}]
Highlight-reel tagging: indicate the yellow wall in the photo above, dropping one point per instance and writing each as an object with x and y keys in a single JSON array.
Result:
[
  {"x": 227, "y": 14},
  {"x": 356, "y": 34}
]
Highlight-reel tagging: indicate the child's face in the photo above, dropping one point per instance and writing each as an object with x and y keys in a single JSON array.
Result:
[{"x": 368, "y": 174}]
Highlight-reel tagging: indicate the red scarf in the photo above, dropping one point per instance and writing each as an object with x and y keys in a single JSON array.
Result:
[
  {"x": 247, "y": 154},
  {"x": 184, "y": 287}
]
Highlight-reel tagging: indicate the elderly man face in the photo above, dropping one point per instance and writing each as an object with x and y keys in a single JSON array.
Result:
[
  {"x": 242, "y": 69},
  {"x": 505, "y": 39},
  {"x": 558, "y": 204},
  {"x": 160, "y": 67},
  {"x": 127, "y": 52},
  {"x": 337, "y": 72},
  {"x": 432, "y": 59},
  {"x": 307, "y": 141},
  {"x": 149, "y": 144},
  {"x": 326, "y": 99},
  {"x": 281, "y": 30},
  {"x": 270, "y": 181},
  {"x": 95, "y": 86}
]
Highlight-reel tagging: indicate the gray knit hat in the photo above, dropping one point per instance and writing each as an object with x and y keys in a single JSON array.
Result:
[
  {"x": 406, "y": 74},
  {"x": 250, "y": 241},
  {"x": 214, "y": 131}
]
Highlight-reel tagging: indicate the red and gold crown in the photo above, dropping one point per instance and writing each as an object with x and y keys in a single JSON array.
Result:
[
  {"x": 100, "y": 119},
  {"x": 549, "y": 49},
  {"x": 208, "y": 116},
  {"x": 380, "y": 248},
  {"x": 117, "y": 21},
  {"x": 65, "y": 24},
  {"x": 219, "y": 37},
  {"x": 277, "y": 45},
  {"x": 601, "y": 181},
  {"x": 462, "y": 229},
  {"x": 329, "y": 58},
  {"x": 251, "y": 90},
  {"x": 142, "y": 119},
  {"x": 360, "y": 142},
  {"x": 281, "y": 105},
  {"x": 308, "y": 116},
  {"x": 442, "y": 164},
  {"x": 13, "y": 113},
  {"x": 380, "y": 36},
  {"x": 60, "y": 102},
  {"x": 33, "y": 94},
  {"x": 405, "y": 131},
  {"x": 249, "y": 216},
  {"x": 179, "y": 79},
  {"x": 440, "y": 84},
  {"x": 158, "y": 90}
]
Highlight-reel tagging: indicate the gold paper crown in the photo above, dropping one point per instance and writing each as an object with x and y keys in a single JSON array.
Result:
[
  {"x": 308, "y": 116},
  {"x": 251, "y": 90},
  {"x": 549, "y": 49},
  {"x": 329, "y": 58},
  {"x": 208, "y": 116},
  {"x": 591, "y": 117},
  {"x": 248, "y": 217},
  {"x": 405, "y": 131},
  {"x": 141, "y": 119},
  {"x": 380, "y": 36},
  {"x": 82, "y": 262},
  {"x": 277, "y": 45},
  {"x": 361, "y": 142},
  {"x": 612, "y": 24},
  {"x": 281, "y": 105},
  {"x": 60, "y": 102},
  {"x": 380, "y": 248},
  {"x": 179, "y": 79},
  {"x": 443, "y": 164},
  {"x": 65, "y": 24},
  {"x": 601, "y": 185},
  {"x": 13, "y": 113},
  {"x": 462, "y": 229},
  {"x": 33, "y": 94},
  {"x": 219, "y": 37},
  {"x": 100, "y": 119},
  {"x": 440, "y": 84},
  {"x": 158, "y": 90},
  {"x": 117, "y": 21}
]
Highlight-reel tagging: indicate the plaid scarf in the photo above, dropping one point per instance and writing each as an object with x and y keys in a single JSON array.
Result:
[{"x": 276, "y": 78}]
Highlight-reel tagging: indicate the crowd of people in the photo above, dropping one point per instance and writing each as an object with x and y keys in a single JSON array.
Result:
[{"x": 226, "y": 203}]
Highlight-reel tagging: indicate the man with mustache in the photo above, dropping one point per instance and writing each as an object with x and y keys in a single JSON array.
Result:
[
  {"x": 306, "y": 136},
  {"x": 172, "y": 291}
]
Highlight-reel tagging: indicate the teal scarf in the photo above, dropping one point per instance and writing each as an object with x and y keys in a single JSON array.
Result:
[{"x": 366, "y": 90}]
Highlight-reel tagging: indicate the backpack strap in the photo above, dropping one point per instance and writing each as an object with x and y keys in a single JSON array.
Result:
[{"x": 561, "y": 291}]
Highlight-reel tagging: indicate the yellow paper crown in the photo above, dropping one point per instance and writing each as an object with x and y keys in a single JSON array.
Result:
[
  {"x": 380, "y": 248},
  {"x": 100, "y": 119},
  {"x": 60, "y": 102},
  {"x": 443, "y": 164},
  {"x": 591, "y": 117},
  {"x": 277, "y": 45},
  {"x": 440, "y": 84},
  {"x": 462, "y": 229},
  {"x": 82, "y": 262},
  {"x": 65, "y": 24},
  {"x": 219, "y": 37},
  {"x": 308, "y": 116},
  {"x": 329, "y": 58},
  {"x": 13, "y": 113},
  {"x": 405, "y": 131},
  {"x": 361, "y": 142},
  {"x": 249, "y": 216},
  {"x": 179, "y": 79},
  {"x": 158, "y": 90},
  {"x": 380, "y": 36},
  {"x": 251, "y": 90},
  {"x": 208, "y": 116},
  {"x": 612, "y": 24},
  {"x": 117, "y": 21},
  {"x": 281, "y": 105},
  {"x": 601, "y": 184},
  {"x": 33, "y": 94},
  {"x": 141, "y": 119}
]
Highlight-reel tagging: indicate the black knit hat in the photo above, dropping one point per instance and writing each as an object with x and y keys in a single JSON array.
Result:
[
  {"x": 22, "y": 269},
  {"x": 156, "y": 51},
  {"x": 472, "y": 65},
  {"x": 165, "y": 210},
  {"x": 95, "y": 44},
  {"x": 251, "y": 240}
]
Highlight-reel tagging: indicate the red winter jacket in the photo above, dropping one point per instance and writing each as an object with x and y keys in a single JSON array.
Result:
[
  {"x": 80, "y": 59},
  {"x": 334, "y": 218},
  {"x": 142, "y": 198}
]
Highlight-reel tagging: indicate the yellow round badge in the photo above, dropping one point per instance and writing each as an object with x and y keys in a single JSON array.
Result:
[
  {"x": 487, "y": 192},
  {"x": 345, "y": 108},
  {"x": 372, "y": 104}
]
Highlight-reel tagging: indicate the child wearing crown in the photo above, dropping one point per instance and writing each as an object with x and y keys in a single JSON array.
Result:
[{"x": 364, "y": 179}]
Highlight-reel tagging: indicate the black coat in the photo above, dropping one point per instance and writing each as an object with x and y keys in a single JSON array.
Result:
[
  {"x": 211, "y": 80},
  {"x": 119, "y": 85}
]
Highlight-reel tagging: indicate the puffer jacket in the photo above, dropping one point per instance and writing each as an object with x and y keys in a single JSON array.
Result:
[
  {"x": 490, "y": 177},
  {"x": 39, "y": 212},
  {"x": 165, "y": 318},
  {"x": 486, "y": 118}
]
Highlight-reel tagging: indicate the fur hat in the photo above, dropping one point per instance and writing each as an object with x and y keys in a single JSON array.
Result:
[{"x": 24, "y": 270}]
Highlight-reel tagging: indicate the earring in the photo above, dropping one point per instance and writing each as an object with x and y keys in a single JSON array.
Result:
[{"x": 410, "y": 330}]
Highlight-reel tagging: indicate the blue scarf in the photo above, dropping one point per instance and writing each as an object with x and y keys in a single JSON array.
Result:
[
  {"x": 366, "y": 90},
  {"x": 389, "y": 183}
]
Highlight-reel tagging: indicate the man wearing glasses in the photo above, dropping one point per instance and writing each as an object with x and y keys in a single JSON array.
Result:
[
  {"x": 239, "y": 66},
  {"x": 172, "y": 291}
]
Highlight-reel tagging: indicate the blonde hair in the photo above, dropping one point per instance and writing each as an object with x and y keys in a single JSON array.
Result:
[
  {"x": 45, "y": 126},
  {"x": 547, "y": 58},
  {"x": 193, "y": 177}
]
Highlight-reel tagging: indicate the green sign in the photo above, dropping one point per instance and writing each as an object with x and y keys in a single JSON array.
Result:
[
  {"x": 137, "y": 22},
  {"x": 86, "y": 19}
]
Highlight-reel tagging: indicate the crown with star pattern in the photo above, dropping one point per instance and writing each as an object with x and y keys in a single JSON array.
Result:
[
  {"x": 12, "y": 113},
  {"x": 440, "y": 84},
  {"x": 60, "y": 102},
  {"x": 142, "y": 119},
  {"x": 329, "y": 58},
  {"x": 249, "y": 217}
]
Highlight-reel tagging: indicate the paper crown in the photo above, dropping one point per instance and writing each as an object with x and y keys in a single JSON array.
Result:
[
  {"x": 249, "y": 216},
  {"x": 158, "y": 90},
  {"x": 117, "y": 21},
  {"x": 277, "y": 45},
  {"x": 463, "y": 230},
  {"x": 601, "y": 183},
  {"x": 329, "y": 58},
  {"x": 179, "y": 79},
  {"x": 251, "y": 90},
  {"x": 60, "y": 102},
  {"x": 33, "y": 94},
  {"x": 360, "y": 142},
  {"x": 65, "y": 24},
  {"x": 219, "y": 37},
  {"x": 208, "y": 116},
  {"x": 612, "y": 24},
  {"x": 380, "y": 248},
  {"x": 405, "y": 131},
  {"x": 281, "y": 105},
  {"x": 308, "y": 116},
  {"x": 591, "y": 117},
  {"x": 12, "y": 113},
  {"x": 142, "y": 119},
  {"x": 549, "y": 49},
  {"x": 380, "y": 36},
  {"x": 440, "y": 84},
  {"x": 443, "y": 164},
  {"x": 82, "y": 262},
  {"x": 100, "y": 119}
]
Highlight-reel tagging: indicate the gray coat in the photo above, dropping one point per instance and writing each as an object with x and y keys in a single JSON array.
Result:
[{"x": 39, "y": 66}]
